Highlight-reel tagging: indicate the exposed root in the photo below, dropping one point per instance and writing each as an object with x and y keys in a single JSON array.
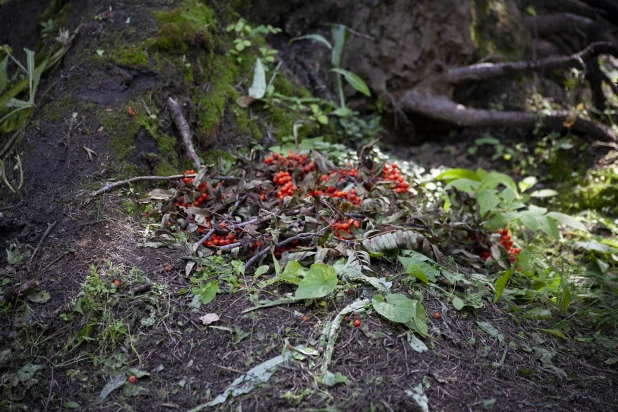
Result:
[
  {"x": 485, "y": 71},
  {"x": 445, "y": 109}
]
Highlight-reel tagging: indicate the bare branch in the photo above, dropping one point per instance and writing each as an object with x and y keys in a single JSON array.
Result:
[
  {"x": 185, "y": 130},
  {"x": 484, "y": 71},
  {"x": 443, "y": 108},
  {"x": 137, "y": 179}
]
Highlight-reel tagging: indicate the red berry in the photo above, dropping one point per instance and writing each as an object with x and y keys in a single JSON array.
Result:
[
  {"x": 305, "y": 318},
  {"x": 132, "y": 379},
  {"x": 436, "y": 315},
  {"x": 357, "y": 323}
]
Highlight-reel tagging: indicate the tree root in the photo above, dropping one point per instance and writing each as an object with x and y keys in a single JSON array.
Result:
[
  {"x": 432, "y": 98},
  {"x": 485, "y": 71},
  {"x": 445, "y": 109}
]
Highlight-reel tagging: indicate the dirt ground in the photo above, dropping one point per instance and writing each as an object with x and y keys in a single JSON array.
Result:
[{"x": 188, "y": 363}]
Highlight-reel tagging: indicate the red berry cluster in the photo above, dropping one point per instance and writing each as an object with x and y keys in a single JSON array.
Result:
[
  {"x": 330, "y": 191},
  {"x": 221, "y": 240},
  {"x": 393, "y": 174},
  {"x": 284, "y": 182},
  {"x": 345, "y": 226},
  {"x": 505, "y": 240},
  {"x": 355, "y": 318},
  {"x": 280, "y": 250},
  {"x": 188, "y": 179},
  {"x": 293, "y": 161}
]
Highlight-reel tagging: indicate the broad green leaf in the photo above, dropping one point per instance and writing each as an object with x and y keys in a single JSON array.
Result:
[
  {"x": 491, "y": 330},
  {"x": 417, "y": 272},
  {"x": 418, "y": 323},
  {"x": 527, "y": 183},
  {"x": 458, "y": 303},
  {"x": 71, "y": 405},
  {"x": 454, "y": 174},
  {"x": 418, "y": 261},
  {"x": 568, "y": 220},
  {"x": 494, "y": 179},
  {"x": 488, "y": 200},
  {"x": 317, "y": 37},
  {"x": 356, "y": 82},
  {"x": 292, "y": 272},
  {"x": 207, "y": 292},
  {"x": 332, "y": 379},
  {"x": 396, "y": 307},
  {"x": 501, "y": 283},
  {"x": 258, "y": 88},
  {"x": 31, "y": 67},
  {"x": 319, "y": 281},
  {"x": 554, "y": 332},
  {"x": 543, "y": 193},
  {"x": 465, "y": 185},
  {"x": 260, "y": 271},
  {"x": 41, "y": 296},
  {"x": 537, "y": 313},
  {"x": 535, "y": 221},
  {"x": 416, "y": 344}
]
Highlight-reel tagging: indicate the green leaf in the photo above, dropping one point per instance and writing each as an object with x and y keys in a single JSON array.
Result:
[
  {"x": 488, "y": 200},
  {"x": 465, "y": 185},
  {"x": 544, "y": 193},
  {"x": 537, "y": 313},
  {"x": 494, "y": 179},
  {"x": 565, "y": 298},
  {"x": 568, "y": 220},
  {"x": 354, "y": 81},
  {"x": 4, "y": 81},
  {"x": 554, "y": 332},
  {"x": 396, "y": 308},
  {"x": 454, "y": 174},
  {"x": 535, "y": 222},
  {"x": 258, "y": 88},
  {"x": 416, "y": 344},
  {"x": 417, "y": 272},
  {"x": 71, "y": 405},
  {"x": 41, "y": 296},
  {"x": 317, "y": 37},
  {"x": 339, "y": 34},
  {"x": 331, "y": 379},
  {"x": 489, "y": 329},
  {"x": 418, "y": 323},
  {"x": 501, "y": 283},
  {"x": 260, "y": 271},
  {"x": 207, "y": 292},
  {"x": 458, "y": 303},
  {"x": 527, "y": 183},
  {"x": 292, "y": 272},
  {"x": 319, "y": 281}
]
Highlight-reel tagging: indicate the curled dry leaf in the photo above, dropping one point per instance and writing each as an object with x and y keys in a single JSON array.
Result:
[{"x": 209, "y": 318}]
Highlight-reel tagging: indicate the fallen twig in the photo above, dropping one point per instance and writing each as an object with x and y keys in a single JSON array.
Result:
[
  {"x": 50, "y": 226},
  {"x": 285, "y": 242},
  {"x": 137, "y": 179},
  {"x": 203, "y": 239},
  {"x": 185, "y": 130},
  {"x": 141, "y": 288}
]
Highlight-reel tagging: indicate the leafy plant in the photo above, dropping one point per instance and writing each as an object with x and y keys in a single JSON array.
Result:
[{"x": 245, "y": 38}]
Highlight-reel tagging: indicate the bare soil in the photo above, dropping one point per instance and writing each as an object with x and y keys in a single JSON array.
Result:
[{"x": 188, "y": 363}]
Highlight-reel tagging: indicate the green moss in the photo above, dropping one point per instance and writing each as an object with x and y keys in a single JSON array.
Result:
[
  {"x": 497, "y": 29},
  {"x": 121, "y": 129},
  {"x": 183, "y": 27},
  {"x": 58, "y": 11},
  {"x": 129, "y": 56},
  {"x": 60, "y": 109},
  {"x": 129, "y": 206}
]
